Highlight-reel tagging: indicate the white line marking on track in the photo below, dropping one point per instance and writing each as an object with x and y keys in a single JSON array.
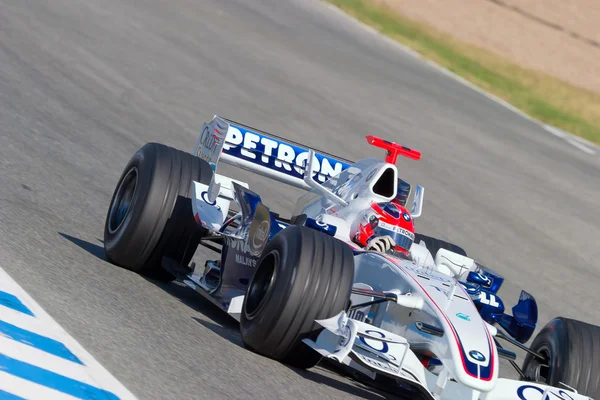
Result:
[
  {"x": 575, "y": 141},
  {"x": 39, "y": 359}
]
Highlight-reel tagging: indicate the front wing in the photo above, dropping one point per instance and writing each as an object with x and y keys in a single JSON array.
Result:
[{"x": 372, "y": 351}]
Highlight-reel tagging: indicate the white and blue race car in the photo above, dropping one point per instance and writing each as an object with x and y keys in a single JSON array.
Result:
[{"x": 302, "y": 291}]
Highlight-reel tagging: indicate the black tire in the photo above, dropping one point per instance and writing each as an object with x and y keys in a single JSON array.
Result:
[
  {"x": 433, "y": 245},
  {"x": 572, "y": 352},
  {"x": 302, "y": 275},
  {"x": 159, "y": 220}
]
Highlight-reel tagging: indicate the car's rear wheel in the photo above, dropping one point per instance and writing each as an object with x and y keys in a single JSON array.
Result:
[
  {"x": 571, "y": 355},
  {"x": 150, "y": 213},
  {"x": 302, "y": 276}
]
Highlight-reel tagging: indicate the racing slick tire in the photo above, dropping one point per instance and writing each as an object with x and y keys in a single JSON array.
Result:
[
  {"x": 301, "y": 276},
  {"x": 150, "y": 214},
  {"x": 571, "y": 350},
  {"x": 433, "y": 245}
]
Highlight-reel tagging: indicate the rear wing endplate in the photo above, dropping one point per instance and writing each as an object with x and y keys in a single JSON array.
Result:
[{"x": 263, "y": 153}]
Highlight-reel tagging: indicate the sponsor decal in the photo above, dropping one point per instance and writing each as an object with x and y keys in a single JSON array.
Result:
[
  {"x": 321, "y": 226},
  {"x": 379, "y": 346},
  {"x": 530, "y": 392},
  {"x": 357, "y": 315},
  {"x": 406, "y": 216},
  {"x": 476, "y": 355},
  {"x": 479, "y": 278},
  {"x": 210, "y": 142},
  {"x": 397, "y": 229},
  {"x": 245, "y": 260},
  {"x": 239, "y": 245},
  {"x": 205, "y": 198},
  {"x": 259, "y": 230},
  {"x": 463, "y": 316},
  {"x": 378, "y": 364},
  {"x": 261, "y": 234},
  {"x": 488, "y": 299},
  {"x": 277, "y": 155}
]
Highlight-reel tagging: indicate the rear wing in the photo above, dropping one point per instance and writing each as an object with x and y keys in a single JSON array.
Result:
[{"x": 263, "y": 153}]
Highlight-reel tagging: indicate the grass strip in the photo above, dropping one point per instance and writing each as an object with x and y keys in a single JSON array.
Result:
[{"x": 546, "y": 98}]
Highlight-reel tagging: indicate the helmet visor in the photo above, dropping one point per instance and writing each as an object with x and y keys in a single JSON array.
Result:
[{"x": 402, "y": 238}]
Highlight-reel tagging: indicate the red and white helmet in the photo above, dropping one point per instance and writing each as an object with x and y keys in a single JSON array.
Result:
[{"x": 385, "y": 219}]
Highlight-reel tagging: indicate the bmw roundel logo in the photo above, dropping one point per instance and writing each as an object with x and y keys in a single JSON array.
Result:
[
  {"x": 475, "y": 355},
  {"x": 406, "y": 217}
]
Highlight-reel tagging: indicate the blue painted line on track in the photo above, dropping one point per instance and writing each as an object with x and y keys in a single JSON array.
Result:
[
  {"x": 11, "y": 301},
  {"x": 8, "y": 396},
  {"x": 53, "y": 380},
  {"x": 40, "y": 342}
]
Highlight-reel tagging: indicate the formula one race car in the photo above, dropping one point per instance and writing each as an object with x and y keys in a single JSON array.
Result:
[{"x": 303, "y": 291}]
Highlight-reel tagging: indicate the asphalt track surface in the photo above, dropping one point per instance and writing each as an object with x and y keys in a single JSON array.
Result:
[{"x": 84, "y": 84}]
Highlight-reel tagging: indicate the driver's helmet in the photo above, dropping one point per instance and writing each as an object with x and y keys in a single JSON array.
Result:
[{"x": 385, "y": 219}]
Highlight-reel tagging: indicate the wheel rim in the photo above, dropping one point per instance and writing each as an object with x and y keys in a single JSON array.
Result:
[
  {"x": 261, "y": 285},
  {"x": 540, "y": 370},
  {"x": 123, "y": 201}
]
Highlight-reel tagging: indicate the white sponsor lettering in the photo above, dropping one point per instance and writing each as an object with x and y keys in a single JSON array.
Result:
[
  {"x": 491, "y": 301},
  {"x": 322, "y": 224},
  {"x": 378, "y": 364},
  {"x": 234, "y": 138},
  {"x": 484, "y": 278},
  {"x": 250, "y": 141},
  {"x": 239, "y": 245},
  {"x": 328, "y": 170},
  {"x": 300, "y": 160},
  {"x": 284, "y": 155},
  {"x": 270, "y": 145},
  {"x": 244, "y": 260}
]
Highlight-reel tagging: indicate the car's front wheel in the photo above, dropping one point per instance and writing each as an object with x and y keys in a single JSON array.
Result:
[
  {"x": 150, "y": 213},
  {"x": 302, "y": 276},
  {"x": 570, "y": 351}
]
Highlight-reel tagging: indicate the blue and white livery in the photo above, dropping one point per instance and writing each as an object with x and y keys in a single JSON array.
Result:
[{"x": 302, "y": 289}]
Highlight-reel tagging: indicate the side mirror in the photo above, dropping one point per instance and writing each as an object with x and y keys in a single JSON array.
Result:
[{"x": 417, "y": 205}]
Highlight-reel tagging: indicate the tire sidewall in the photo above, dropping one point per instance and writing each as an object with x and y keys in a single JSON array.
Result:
[
  {"x": 260, "y": 323},
  {"x": 314, "y": 282},
  {"x": 132, "y": 244},
  {"x": 120, "y": 239}
]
